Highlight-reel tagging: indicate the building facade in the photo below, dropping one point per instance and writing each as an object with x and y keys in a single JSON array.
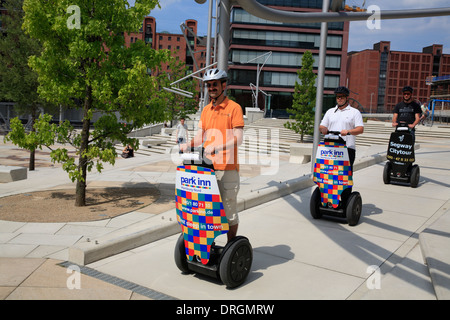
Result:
[
  {"x": 252, "y": 40},
  {"x": 187, "y": 45},
  {"x": 376, "y": 76}
]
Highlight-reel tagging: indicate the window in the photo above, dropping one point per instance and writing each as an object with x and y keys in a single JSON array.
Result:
[
  {"x": 277, "y": 79},
  {"x": 239, "y": 15},
  {"x": 284, "y": 39},
  {"x": 286, "y": 59}
]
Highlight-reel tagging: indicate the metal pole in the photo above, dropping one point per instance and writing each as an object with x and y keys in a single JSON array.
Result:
[
  {"x": 320, "y": 81},
  {"x": 208, "y": 53},
  {"x": 224, "y": 35},
  {"x": 261, "y": 11},
  {"x": 257, "y": 85}
]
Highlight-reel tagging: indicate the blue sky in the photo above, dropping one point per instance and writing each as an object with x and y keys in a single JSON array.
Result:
[{"x": 404, "y": 34}]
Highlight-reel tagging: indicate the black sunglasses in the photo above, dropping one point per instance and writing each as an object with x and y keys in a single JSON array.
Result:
[{"x": 214, "y": 84}]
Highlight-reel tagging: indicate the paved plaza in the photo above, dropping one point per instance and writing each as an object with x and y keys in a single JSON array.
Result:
[{"x": 398, "y": 250}]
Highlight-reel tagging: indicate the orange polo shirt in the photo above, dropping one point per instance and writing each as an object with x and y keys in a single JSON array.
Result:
[{"x": 218, "y": 123}]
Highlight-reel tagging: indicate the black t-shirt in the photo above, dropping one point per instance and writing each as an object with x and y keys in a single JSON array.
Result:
[{"x": 407, "y": 111}]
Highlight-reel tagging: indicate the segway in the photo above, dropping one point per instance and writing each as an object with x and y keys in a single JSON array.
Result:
[
  {"x": 333, "y": 175},
  {"x": 400, "y": 155},
  {"x": 202, "y": 218}
]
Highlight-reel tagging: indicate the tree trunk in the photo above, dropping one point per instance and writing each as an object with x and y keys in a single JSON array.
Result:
[
  {"x": 31, "y": 163},
  {"x": 32, "y": 152},
  {"x": 80, "y": 199}
]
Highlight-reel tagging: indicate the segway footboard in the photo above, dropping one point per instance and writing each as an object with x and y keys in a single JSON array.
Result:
[{"x": 333, "y": 175}]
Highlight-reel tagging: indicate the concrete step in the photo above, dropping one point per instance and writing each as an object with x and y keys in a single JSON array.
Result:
[{"x": 265, "y": 134}]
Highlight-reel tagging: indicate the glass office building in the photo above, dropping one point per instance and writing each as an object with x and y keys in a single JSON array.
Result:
[{"x": 251, "y": 39}]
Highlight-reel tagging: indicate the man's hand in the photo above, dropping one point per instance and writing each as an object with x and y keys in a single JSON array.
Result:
[
  {"x": 183, "y": 147},
  {"x": 210, "y": 150}
]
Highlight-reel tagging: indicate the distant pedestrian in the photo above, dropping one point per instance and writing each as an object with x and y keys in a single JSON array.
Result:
[
  {"x": 182, "y": 133},
  {"x": 425, "y": 114},
  {"x": 128, "y": 152}
]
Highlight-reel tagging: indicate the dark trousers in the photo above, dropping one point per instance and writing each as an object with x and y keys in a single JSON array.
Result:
[{"x": 351, "y": 155}]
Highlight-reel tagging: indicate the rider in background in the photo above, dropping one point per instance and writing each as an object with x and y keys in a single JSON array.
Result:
[
  {"x": 345, "y": 119},
  {"x": 407, "y": 111}
]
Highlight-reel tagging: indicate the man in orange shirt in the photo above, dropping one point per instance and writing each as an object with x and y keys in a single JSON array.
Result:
[{"x": 221, "y": 130}]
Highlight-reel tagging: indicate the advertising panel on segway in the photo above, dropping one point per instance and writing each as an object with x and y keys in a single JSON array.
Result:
[
  {"x": 400, "y": 155},
  {"x": 333, "y": 175},
  {"x": 201, "y": 215}
]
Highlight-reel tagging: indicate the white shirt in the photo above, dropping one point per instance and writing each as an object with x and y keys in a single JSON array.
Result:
[
  {"x": 345, "y": 119},
  {"x": 182, "y": 131}
]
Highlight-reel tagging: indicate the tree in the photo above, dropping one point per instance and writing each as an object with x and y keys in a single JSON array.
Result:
[
  {"x": 84, "y": 59},
  {"x": 304, "y": 99},
  {"x": 178, "y": 106},
  {"x": 18, "y": 82}
]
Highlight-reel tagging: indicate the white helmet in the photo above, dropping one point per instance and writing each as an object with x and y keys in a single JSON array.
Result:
[{"x": 215, "y": 74}]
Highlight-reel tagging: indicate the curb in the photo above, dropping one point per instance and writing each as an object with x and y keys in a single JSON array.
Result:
[
  {"x": 165, "y": 224},
  {"x": 434, "y": 242}
]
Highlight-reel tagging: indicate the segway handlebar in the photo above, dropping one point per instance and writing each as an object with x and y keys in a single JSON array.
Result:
[
  {"x": 195, "y": 155},
  {"x": 402, "y": 126},
  {"x": 190, "y": 156},
  {"x": 333, "y": 135}
]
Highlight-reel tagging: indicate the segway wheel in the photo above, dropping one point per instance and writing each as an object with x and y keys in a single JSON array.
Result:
[
  {"x": 387, "y": 173},
  {"x": 314, "y": 204},
  {"x": 180, "y": 255},
  {"x": 236, "y": 262},
  {"x": 353, "y": 209},
  {"x": 415, "y": 175}
]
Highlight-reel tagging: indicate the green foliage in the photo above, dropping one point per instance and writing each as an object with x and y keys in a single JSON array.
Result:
[
  {"x": 304, "y": 99},
  {"x": 177, "y": 106},
  {"x": 91, "y": 64},
  {"x": 43, "y": 135},
  {"x": 18, "y": 83}
]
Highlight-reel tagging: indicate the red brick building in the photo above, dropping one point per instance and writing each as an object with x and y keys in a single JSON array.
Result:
[
  {"x": 376, "y": 76},
  {"x": 176, "y": 43}
]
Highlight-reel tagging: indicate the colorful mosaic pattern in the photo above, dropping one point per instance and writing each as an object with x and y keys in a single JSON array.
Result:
[
  {"x": 200, "y": 214},
  {"x": 332, "y": 175}
]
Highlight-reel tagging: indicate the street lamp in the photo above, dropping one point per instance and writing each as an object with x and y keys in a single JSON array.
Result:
[{"x": 258, "y": 72}]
